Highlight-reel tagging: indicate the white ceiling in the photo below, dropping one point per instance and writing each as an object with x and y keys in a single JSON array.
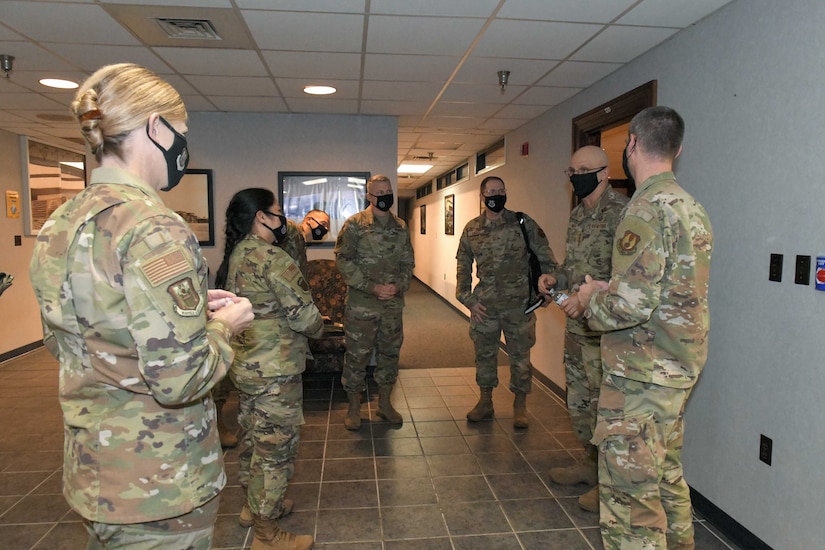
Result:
[{"x": 431, "y": 63}]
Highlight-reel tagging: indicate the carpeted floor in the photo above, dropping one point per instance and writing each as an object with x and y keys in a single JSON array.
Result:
[{"x": 435, "y": 334}]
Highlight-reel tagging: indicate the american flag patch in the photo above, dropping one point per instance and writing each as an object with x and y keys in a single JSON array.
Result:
[
  {"x": 164, "y": 268},
  {"x": 291, "y": 272}
]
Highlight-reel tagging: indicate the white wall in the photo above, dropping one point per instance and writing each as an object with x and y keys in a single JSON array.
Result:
[{"x": 748, "y": 82}]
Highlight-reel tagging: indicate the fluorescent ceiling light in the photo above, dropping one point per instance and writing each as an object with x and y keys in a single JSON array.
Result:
[
  {"x": 414, "y": 168},
  {"x": 315, "y": 181},
  {"x": 59, "y": 83},
  {"x": 319, "y": 90}
]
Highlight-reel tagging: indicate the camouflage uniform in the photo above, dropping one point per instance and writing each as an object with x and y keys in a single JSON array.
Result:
[
  {"x": 295, "y": 245},
  {"x": 270, "y": 356},
  {"x": 502, "y": 266},
  {"x": 373, "y": 250},
  {"x": 122, "y": 290},
  {"x": 656, "y": 310},
  {"x": 590, "y": 235}
]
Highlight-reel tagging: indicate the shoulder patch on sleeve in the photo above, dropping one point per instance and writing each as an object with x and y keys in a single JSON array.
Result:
[
  {"x": 166, "y": 267},
  {"x": 186, "y": 297},
  {"x": 626, "y": 245},
  {"x": 293, "y": 274}
]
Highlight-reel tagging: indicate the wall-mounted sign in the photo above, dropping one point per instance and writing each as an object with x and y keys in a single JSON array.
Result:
[{"x": 12, "y": 204}]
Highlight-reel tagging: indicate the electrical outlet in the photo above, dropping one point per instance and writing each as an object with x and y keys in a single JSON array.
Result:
[
  {"x": 803, "y": 270},
  {"x": 775, "y": 268},
  {"x": 765, "y": 449}
]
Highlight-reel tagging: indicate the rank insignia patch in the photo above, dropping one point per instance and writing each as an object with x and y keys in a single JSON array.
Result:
[
  {"x": 628, "y": 243},
  {"x": 187, "y": 300}
]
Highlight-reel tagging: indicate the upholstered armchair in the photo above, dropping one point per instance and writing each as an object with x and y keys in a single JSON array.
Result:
[{"x": 329, "y": 291}]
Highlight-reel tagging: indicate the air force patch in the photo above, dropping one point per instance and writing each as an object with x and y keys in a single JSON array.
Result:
[
  {"x": 187, "y": 300},
  {"x": 628, "y": 243}
]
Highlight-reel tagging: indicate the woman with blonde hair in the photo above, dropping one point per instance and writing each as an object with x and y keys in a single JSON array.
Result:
[{"x": 121, "y": 284}]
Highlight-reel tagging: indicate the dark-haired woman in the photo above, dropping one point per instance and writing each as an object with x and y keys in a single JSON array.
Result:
[{"x": 270, "y": 357}]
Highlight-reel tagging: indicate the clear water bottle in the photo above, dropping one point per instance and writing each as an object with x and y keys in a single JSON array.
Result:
[{"x": 558, "y": 296}]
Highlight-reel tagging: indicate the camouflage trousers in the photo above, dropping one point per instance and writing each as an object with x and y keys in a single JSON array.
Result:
[
  {"x": 192, "y": 531},
  {"x": 270, "y": 422},
  {"x": 645, "y": 500},
  {"x": 367, "y": 329},
  {"x": 583, "y": 370},
  {"x": 519, "y": 336}
]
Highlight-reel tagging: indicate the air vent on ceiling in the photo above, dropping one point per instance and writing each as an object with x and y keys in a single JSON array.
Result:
[{"x": 191, "y": 29}]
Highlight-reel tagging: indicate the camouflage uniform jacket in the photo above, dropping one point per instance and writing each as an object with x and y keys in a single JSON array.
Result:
[
  {"x": 590, "y": 235},
  {"x": 368, "y": 253},
  {"x": 295, "y": 245},
  {"x": 121, "y": 285},
  {"x": 275, "y": 343},
  {"x": 657, "y": 305},
  {"x": 502, "y": 261}
]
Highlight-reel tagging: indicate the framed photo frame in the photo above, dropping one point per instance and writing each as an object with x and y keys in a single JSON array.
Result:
[
  {"x": 52, "y": 175},
  {"x": 423, "y": 220},
  {"x": 193, "y": 200},
  {"x": 339, "y": 194},
  {"x": 449, "y": 215}
]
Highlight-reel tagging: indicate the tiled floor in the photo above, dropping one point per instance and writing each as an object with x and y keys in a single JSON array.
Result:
[{"x": 437, "y": 482}]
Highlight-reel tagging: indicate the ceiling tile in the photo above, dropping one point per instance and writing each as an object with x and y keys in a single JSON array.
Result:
[
  {"x": 670, "y": 13},
  {"x": 546, "y": 95},
  {"x": 421, "y": 35},
  {"x": 227, "y": 63},
  {"x": 480, "y": 110},
  {"x": 249, "y": 104},
  {"x": 433, "y": 68},
  {"x": 578, "y": 74},
  {"x": 485, "y": 93},
  {"x": 317, "y": 32},
  {"x": 405, "y": 91},
  {"x": 28, "y": 56},
  {"x": 196, "y": 103},
  {"x": 182, "y": 3},
  {"x": 337, "y": 6},
  {"x": 294, "y": 88},
  {"x": 451, "y": 122},
  {"x": 476, "y": 8},
  {"x": 91, "y": 58},
  {"x": 622, "y": 44},
  {"x": 237, "y": 86},
  {"x": 522, "y": 112},
  {"x": 328, "y": 105},
  {"x": 318, "y": 66},
  {"x": 394, "y": 107},
  {"x": 48, "y": 21},
  {"x": 536, "y": 39},
  {"x": 16, "y": 101},
  {"x": 505, "y": 124},
  {"x": 602, "y": 11}
]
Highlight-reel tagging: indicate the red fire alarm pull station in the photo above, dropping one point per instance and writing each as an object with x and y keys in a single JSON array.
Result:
[{"x": 525, "y": 148}]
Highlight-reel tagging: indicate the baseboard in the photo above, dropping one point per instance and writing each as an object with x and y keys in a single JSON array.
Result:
[
  {"x": 726, "y": 524},
  {"x": 20, "y": 351},
  {"x": 550, "y": 385}
]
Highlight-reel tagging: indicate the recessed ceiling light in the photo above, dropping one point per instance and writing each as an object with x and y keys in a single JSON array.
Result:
[
  {"x": 59, "y": 83},
  {"x": 319, "y": 90},
  {"x": 414, "y": 168}
]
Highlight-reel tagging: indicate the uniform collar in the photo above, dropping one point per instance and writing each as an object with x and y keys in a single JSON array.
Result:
[{"x": 120, "y": 176}]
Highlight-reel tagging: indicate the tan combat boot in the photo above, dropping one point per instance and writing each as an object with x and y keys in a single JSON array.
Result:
[
  {"x": 520, "y": 411},
  {"x": 484, "y": 407},
  {"x": 268, "y": 536},
  {"x": 385, "y": 409},
  {"x": 586, "y": 471},
  {"x": 589, "y": 502},
  {"x": 352, "y": 421},
  {"x": 228, "y": 439},
  {"x": 246, "y": 519}
]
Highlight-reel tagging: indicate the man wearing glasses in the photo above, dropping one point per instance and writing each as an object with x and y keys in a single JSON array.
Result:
[
  {"x": 494, "y": 241},
  {"x": 590, "y": 234}
]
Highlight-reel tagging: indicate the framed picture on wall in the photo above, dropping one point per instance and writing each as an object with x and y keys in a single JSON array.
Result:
[
  {"x": 423, "y": 222},
  {"x": 51, "y": 175},
  {"x": 193, "y": 199},
  {"x": 449, "y": 215}
]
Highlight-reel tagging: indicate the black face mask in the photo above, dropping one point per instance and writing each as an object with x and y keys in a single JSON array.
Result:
[
  {"x": 495, "y": 203},
  {"x": 630, "y": 181},
  {"x": 177, "y": 156},
  {"x": 383, "y": 202},
  {"x": 318, "y": 232},
  {"x": 279, "y": 232},
  {"x": 584, "y": 184}
]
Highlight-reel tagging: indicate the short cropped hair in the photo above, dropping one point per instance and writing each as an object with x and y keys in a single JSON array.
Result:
[{"x": 659, "y": 131}]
